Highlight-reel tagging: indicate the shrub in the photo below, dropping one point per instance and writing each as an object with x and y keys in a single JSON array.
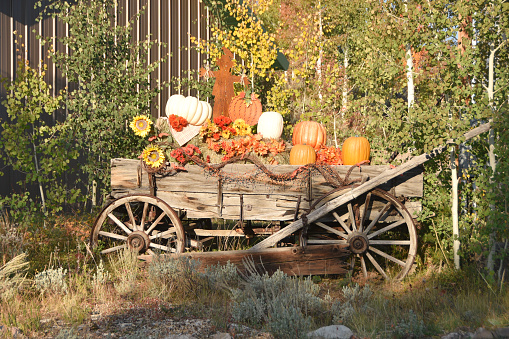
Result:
[
  {"x": 51, "y": 281},
  {"x": 276, "y": 300},
  {"x": 172, "y": 276},
  {"x": 355, "y": 298},
  {"x": 222, "y": 276}
]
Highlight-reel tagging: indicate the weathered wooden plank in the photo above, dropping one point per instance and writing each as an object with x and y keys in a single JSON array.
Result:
[
  {"x": 299, "y": 261},
  {"x": 197, "y": 193},
  {"x": 124, "y": 175}
]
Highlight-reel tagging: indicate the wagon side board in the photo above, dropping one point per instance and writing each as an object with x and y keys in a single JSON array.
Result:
[
  {"x": 205, "y": 196},
  {"x": 298, "y": 261}
]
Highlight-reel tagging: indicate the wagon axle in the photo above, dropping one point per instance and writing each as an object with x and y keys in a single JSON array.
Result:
[
  {"x": 138, "y": 241},
  {"x": 358, "y": 243}
]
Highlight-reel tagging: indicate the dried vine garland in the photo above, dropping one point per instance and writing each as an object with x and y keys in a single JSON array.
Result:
[{"x": 300, "y": 173}]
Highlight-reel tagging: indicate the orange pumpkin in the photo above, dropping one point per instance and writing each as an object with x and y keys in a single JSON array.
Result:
[
  {"x": 302, "y": 155},
  {"x": 310, "y": 133},
  {"x": 247, "y": 109},
  {"x": 355, "y": 150}
]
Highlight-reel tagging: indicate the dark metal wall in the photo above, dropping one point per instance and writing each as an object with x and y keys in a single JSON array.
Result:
[{"x": 168, "y": 21}]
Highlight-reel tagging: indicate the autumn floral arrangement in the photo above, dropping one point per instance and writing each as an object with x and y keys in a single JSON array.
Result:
[
  {"x": 235, "y": 138},
  {"x": 329, "y": 155},
  {"x": 161, "y": 147}
]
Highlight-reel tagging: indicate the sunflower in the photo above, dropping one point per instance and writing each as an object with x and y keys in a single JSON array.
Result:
[
  {"x": 153, "y": 156},
  {"x": 141, "y": 125}
]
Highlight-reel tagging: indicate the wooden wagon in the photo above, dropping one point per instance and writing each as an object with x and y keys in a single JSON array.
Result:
[{"x": 302, "y": 220}]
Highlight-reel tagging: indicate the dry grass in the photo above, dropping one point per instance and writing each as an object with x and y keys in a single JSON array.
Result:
[{"x": 428, "y": 303}]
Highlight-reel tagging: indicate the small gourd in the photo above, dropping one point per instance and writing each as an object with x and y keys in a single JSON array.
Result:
[
  {"x": 355, "y": 150},
  {"x": 196, "y": 112},
  {"x": 302, "y": 155},
  {"x": 270, "y": 125},
  {"x": 310, "y": 133}
]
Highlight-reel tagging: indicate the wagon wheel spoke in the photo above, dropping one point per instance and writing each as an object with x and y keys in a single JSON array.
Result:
[
  {"x": 144, "y": 216},
  {"x": 326, "y": 241},
  {"x": 157, "y": 221},
  {"x": 113, "y": 235},
  {"x": 131, "y": 216},
  {"x": 113, "y": 249},
  {"x": 341, "y": 222},
  {"x": 162, "y": 247},
  {"x": 378, "y": 216},
  {"x": 377, "y": 266},
  {"x": 352, "y": 217},
  {"x": 387, "y": 256},
  {"x": 172, "y": 230},
  {"x": 390, "y": 242},
  {"x": 365, "y": 212},
  {"x": 332, "y": 230},
  {"x": 363, "y": 267},
  {"x": 386, "y": 228},
  {"x": 119, "y": 223}
]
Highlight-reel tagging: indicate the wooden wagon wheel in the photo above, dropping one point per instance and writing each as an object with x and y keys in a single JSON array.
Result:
[
  {"x": 139, "y": 222},
  {"x": 377, "y": 227}
]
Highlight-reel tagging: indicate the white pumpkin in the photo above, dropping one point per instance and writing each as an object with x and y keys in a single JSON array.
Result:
[
  {"x": 196, "y": 112},
  {"x": 270, "y": 125}
]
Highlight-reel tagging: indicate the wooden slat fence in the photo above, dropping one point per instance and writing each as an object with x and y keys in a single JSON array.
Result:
[{"x": 168, "y": 21}]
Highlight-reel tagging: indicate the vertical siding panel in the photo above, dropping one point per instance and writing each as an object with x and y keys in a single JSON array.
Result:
[
  {"x": 174, "y": 39},
  {"x": 33, "y": 46},
  {"x": 184, "y": 36},
  {"x": 7, "y": 180},
  {"x": 193, "y": 31},
  {"x": 122, "y": 12},
  {"x": 60, "y": 81},
  {"x": 203, "y": 17},
  {"x": 48, "y": 31},
  {"x": 165, "y": 38},
  {"x": 154, "y": 29}
]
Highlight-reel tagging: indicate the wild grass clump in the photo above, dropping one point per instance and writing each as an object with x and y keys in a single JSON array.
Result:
[
  {"x": 174, "y": 276},
  {"x": 355, "y": 299},
  {"x": 282, "y": 304},
  {"x": 11, "y": 239},
  {"x": 13, "y": 276},
  {"x": 16, "y": 310},
  {"x": 125, "y": 270},
  {"x": 222, "y": 276}
]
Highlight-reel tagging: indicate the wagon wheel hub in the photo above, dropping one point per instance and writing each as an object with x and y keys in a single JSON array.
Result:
[
  {"x": 358, "y": 243},
  {"x": 138, "y": 241}
]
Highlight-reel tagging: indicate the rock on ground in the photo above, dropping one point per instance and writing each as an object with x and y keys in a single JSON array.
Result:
[{"x": 331, "y": 332}]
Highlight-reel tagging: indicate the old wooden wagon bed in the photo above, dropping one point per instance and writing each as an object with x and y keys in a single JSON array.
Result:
[{"x": 300, "y": 219}]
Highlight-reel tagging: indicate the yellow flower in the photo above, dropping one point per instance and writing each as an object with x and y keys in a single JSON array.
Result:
[
  {"x": 226, "y": 134},
  {"x": 153, "y": 156},
  {"x": 141, "y": 125},
  {"x": 241, "y": 127}
]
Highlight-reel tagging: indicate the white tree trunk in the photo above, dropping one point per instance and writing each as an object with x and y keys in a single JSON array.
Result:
[
  {"x": 410, "y": 76},
  {"x": 455, "y": 223},
  {"x": 491, "y": 151},
  {"x": 320, "y": 53},
  {"x": 344, "y": 99}
]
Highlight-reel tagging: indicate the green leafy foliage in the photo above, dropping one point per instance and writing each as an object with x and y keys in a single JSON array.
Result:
[
  {"x": 33, "y": 144},
  {"x": 110, "y": 78}
]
